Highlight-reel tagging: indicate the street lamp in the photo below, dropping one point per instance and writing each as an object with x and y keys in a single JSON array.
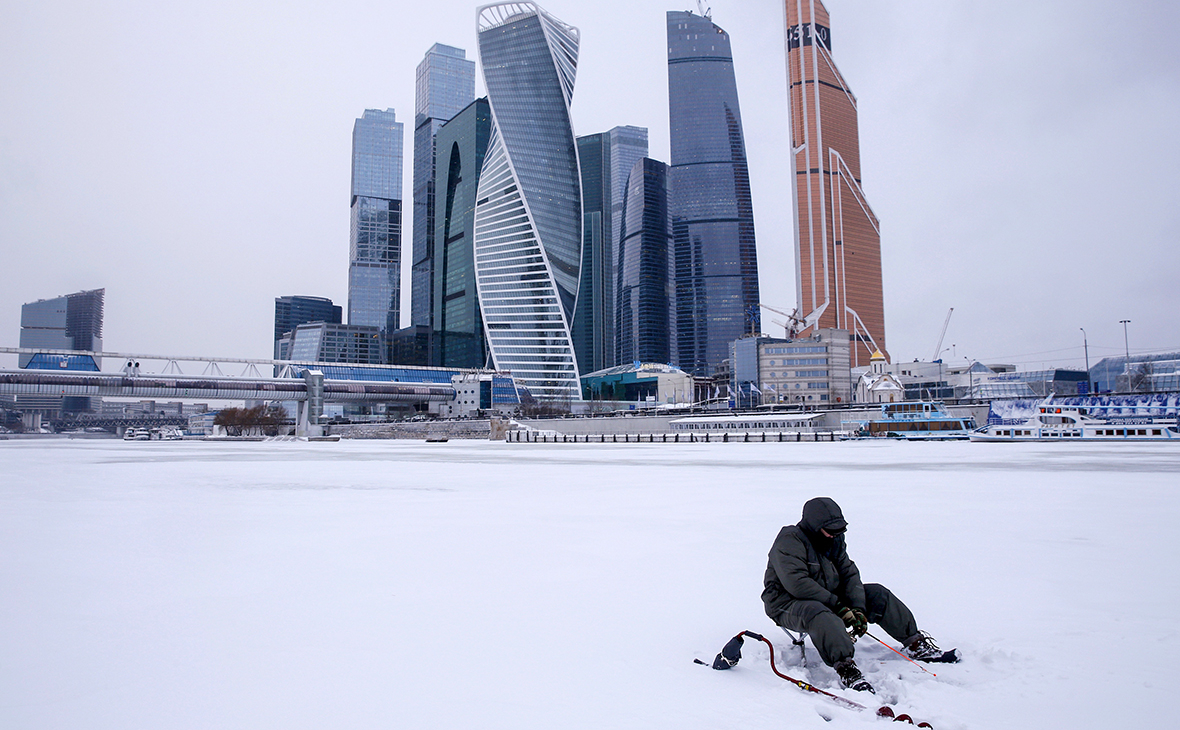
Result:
[
  {"x": 1127, "y": 348},
  {"x": 1086, "y": 346}
]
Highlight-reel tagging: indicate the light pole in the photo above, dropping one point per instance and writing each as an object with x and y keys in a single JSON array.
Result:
[
  {"x": 1086, "y": 346},
  {"x": 1127, "y": 348}
]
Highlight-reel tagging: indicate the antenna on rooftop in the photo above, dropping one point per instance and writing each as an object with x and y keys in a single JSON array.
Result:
[{"x": 705, "y": 12}]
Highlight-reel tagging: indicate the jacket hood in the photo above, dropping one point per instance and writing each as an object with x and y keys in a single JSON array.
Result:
[{"x": 822, "y": 512}]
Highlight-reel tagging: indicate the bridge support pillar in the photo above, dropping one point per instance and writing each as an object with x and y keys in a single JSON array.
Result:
[{"x": 307, "y": 420}]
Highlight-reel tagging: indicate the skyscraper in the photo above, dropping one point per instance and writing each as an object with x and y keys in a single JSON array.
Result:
[
  {"x": 606, "y": 160},
  {"x": 374, "y": 265},
  {"x": 70, "y": 322},
  {"x": 646, "y": 286},
  {"x": 712, "y": 215},
  {"x": 458, "y": 326},
  {"x": 837, "y": 235},
  {"x": 528, "y": 213},
  {"x": 445, "y": 84}
]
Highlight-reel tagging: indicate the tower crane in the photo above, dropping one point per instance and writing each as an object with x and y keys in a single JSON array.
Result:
[
  {"x": 794, "y": 323},
  {"x": 938, "y": 347}
]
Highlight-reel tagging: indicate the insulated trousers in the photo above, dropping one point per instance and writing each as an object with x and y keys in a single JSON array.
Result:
[{"x": 827, "y": 630}]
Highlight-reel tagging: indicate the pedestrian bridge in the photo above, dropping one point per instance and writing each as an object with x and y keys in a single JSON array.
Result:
[{"x": 309, "y": 385}]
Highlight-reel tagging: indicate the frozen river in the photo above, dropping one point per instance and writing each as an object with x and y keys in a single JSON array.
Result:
[{"x": 469, "y": 584}]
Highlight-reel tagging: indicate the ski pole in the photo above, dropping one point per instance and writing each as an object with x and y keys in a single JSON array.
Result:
[{"x": 903, "y": 656}]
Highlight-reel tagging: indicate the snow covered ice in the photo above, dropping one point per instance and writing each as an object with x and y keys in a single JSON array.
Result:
[{"x": 469, "y": 584}]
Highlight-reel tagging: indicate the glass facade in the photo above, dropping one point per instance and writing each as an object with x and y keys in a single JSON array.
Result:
[
  {"x": 712, "y": 214},
  {"x": 322, "y": 342},
  {"x": 837, "y": 236},
  {"x": 71, "y": 322},
  {"x": 290, "y": 312},
  {"x": 458, "y": 326},
  {"x": 646, "y": 289},
  {"x": 445, "y": 84},
  {"x": 528, "y": 214},
  {"x": 606, "y": 160},
  {"x": 374, "y": 271}
]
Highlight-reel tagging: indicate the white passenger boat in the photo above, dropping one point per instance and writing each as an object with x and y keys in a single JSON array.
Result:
[
  {"x": 1056, "y": 422},
  {"x": 137, "y": 434}
]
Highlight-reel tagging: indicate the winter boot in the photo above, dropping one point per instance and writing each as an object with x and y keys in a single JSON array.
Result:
[
  {"x": 921, "y": 647},
  {"x": 851, "y": 677}
]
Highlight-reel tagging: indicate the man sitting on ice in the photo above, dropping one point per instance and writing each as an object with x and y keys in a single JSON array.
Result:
[{"x": 812, "y": 586}]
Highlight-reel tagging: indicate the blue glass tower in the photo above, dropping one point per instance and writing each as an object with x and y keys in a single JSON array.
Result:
[
  {"x": 528, "y": 213},
  {"x": 646, "y": 289},
  {"x": 606, "y": 160},
  {"x": 445, "y": 84},
  {"x": 712, "y": 215},
  {"x": 458, "y": 332},
  {"x": 374, "y": 266}
]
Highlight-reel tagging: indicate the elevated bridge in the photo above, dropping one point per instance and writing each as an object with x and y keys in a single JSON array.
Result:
[{"x": 299, "y": 382}]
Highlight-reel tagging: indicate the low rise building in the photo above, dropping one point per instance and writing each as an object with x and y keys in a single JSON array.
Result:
[{"x": 808, "y": 371}]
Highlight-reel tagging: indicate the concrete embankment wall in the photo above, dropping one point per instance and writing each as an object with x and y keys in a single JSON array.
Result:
[
  {"x": 474, "y": 429},
  {"x": 607, "y": 425}
]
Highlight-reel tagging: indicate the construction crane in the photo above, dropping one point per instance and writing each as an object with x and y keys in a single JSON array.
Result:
[
  {"x": 793, "y": 324},
  {"x": 938, "y": 347}
]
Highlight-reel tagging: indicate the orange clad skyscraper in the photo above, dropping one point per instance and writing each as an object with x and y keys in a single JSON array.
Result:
[{"x": 837, "y": 235}]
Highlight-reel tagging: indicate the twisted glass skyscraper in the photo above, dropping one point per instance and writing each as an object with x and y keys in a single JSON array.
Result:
[
  {"x": 712, "y": 215},
  {"x": 528, "y": 212}
]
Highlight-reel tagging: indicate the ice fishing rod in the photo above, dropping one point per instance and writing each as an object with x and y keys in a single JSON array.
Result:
[
  {"x": 731, "y": 653},
  {"x": 903, "y": 656}
]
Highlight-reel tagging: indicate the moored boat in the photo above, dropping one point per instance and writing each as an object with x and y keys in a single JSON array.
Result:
[
  {"x": 1056, "y": 422},
  {"x": 914, "y": 421}
]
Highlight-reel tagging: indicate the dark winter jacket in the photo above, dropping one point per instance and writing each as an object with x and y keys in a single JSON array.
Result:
[{"x": 805, "y": 565}]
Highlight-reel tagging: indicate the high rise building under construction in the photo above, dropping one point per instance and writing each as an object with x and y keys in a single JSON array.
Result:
[{"x": 837, "y": 235}]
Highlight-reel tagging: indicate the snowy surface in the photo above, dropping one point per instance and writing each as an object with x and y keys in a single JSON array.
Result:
[{"x": 394, "y": 584}]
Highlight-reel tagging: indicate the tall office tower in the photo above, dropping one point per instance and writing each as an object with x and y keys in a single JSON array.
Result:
[
  {"x": 290, "y": 312},
  {"x": 606, "y": 160},
  {"x": 445, "y": 85},
  {"x": 837, "y": 235},
  {"x": 374, "y": 266},
  {"x": 458, "y": 326},
  {"x": 528, "y": 212},
  {"x": 712, "y": 216},
  {"x": 70, "y": 322},
  {"x": 646, "y": 287}
]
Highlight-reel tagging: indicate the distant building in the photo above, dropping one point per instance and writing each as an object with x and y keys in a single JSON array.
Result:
[
  {"x": 344, "y": 343},
  {"x": 876, "y": 385},
  {"x": 458, "y": 333},
  {"x": 837, "y": 236},
  {"x": 606, "y": 160},
  {"x": 1156, "y": 373},
  {"x": 528, "y": 212},
  {"x": 70, "y": 322},
  {"x": 649, "y": 383},
  {"x": 374, "y": 268},
  {"x": 410, "y": 346},
  {"x": 712, "y": 212},
  {"x": 444, "y": 86},
  {"x": 646, "y": 298},
  {"x": 290, "y": 312},
  {"x": 808, "y": 371}
]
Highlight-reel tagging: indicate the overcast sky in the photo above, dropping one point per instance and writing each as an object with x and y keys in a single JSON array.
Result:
[{"x": 194, "y": 158}]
